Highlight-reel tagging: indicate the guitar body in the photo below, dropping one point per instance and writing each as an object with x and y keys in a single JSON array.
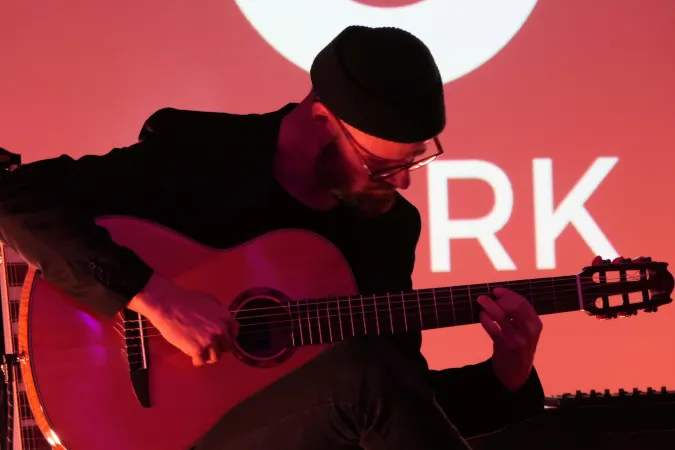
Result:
[{"x": 77, "y": 374}]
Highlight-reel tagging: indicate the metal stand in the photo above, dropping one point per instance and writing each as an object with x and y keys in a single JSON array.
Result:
[{"x": 9, "y": 366}]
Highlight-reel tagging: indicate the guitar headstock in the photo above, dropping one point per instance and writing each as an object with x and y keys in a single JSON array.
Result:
[{"x": 611, "y": 289}]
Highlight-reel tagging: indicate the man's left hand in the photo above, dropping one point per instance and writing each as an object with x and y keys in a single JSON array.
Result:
[{"x": 514, "y": 327}]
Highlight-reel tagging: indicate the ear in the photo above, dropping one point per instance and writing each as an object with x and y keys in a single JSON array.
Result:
[{"x": 324, "y": 123}]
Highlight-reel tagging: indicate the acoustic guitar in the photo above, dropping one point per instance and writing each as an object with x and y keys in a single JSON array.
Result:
[{"x": 104, "y": 384}]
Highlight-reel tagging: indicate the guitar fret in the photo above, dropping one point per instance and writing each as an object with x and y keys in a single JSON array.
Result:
[
  {"x": 427, "y": 307},
  {"x": 330, "y": 328},
  {"x": 332, "y": 319},
  {"x": 309, "y": 325},
  {"x": 438, "y": 322},
  {"x": 377, "y": 314},
  {"x": 302, "y": 338},
  {"x": 363, "y": 312},
  {"x": 468, "y": 291},
  {"x": 293, "y": 343},
  {"x": 462, "y": 313},
  {"x": 382, "y": 314},
  {"x": 318, "y": 321},
  {"x": 351, "y": 316},
  {"x": 390, "y": 317},
  {"x": 405, "y": 315},
  {"x": 443, "y": 307},
  {"x": 339, "y": 308},
  {"x": 339, "y": 301},
  {"x": 545, "y": 289},
  {"x": 477, "y": 291}
]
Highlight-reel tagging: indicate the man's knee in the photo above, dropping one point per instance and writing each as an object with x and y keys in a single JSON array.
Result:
[{"x": 381, "y": 367}]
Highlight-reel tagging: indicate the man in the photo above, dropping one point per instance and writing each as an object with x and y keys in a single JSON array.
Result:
[{"x": 331, "y": 164}]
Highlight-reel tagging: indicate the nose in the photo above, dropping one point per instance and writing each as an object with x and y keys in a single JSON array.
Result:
[{"x": 401, "y": 180}]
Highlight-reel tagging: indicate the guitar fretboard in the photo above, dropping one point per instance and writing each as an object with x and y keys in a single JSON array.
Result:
[
  {"x": 334, "y": 319},
  {"x": 31, "y": 436}
]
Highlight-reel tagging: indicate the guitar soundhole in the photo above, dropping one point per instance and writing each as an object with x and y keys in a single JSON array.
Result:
[{"x": 265, "y": 332}]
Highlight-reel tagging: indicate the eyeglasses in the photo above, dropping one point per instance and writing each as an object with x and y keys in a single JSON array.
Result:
[{"x": 379, "y": 175}]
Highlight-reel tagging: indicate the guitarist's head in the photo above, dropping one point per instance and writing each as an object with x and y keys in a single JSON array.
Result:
[{"x": 376, "y": 108}]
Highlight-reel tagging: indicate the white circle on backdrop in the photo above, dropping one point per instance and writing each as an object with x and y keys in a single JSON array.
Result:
[{"x": 461, "y": 34}]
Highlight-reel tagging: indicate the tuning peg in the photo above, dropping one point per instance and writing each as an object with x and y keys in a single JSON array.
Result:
[
  {"x": 652, "y": 310},
  {"x": 626, "y": 314},
  {"x": 622, "y": 392},
  {"x": 636, "y": 391},
  {"x": 607, "y": 393},
  {"x": 607, "y": 316},
  {"x": 650, "y": 390},
  {"x": 643, "y": 259}
]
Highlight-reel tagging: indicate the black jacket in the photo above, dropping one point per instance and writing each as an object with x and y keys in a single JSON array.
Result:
[{"x": 185, "y": 165}]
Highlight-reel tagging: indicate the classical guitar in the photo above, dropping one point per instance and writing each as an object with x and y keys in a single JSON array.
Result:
[{"x": 97, "y": 383}]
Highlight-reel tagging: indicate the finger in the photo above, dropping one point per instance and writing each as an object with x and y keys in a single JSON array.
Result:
[
  {"x": 597, "y": 261},
  {"x": 497, "y": 314},
  {"x": 619, "y": 260},
  {"x": 208, "y": 349},
  {"x": 491, "y": 327},
  {"x": 232, "y": 327},
  {"x": 198, "y": 360},
  {"x": 214, "y": 353},
  {"x": 194, "y": 351},
  {"x": 516, "y": 306},
  {"x": 525, "y": 319}
]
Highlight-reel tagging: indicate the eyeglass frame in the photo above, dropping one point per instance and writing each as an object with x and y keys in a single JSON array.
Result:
[{"x": 379, "y": 175}]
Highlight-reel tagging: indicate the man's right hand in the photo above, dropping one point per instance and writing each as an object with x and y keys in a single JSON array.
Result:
[{"x": 197, "y": 324}]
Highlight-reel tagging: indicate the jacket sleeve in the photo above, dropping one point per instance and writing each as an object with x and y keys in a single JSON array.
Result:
[
  {"x": 476, "y": 402},
  {"x": 472, "y": 396},
  {"x": 47, "y": 213}
]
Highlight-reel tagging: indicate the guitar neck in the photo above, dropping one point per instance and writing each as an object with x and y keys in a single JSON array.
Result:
[{"x": 334, "y": 319}]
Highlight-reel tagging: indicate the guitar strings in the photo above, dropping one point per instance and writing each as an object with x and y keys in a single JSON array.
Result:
[
  {"x": 313, "y": 334},
  {"x": 363, "y": 312},
  {"x": 434, "y": 293},
  {"x": 356, "y": 305}
]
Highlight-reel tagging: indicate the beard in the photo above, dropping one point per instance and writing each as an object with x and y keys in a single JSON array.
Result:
[{"x": 334, "y": 174}]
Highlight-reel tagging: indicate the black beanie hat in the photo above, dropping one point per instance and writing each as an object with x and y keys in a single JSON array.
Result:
[{"x": 382, "y": 81}]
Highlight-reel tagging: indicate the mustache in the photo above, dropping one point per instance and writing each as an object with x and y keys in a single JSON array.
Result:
[{"x": 382, "y": 188}]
